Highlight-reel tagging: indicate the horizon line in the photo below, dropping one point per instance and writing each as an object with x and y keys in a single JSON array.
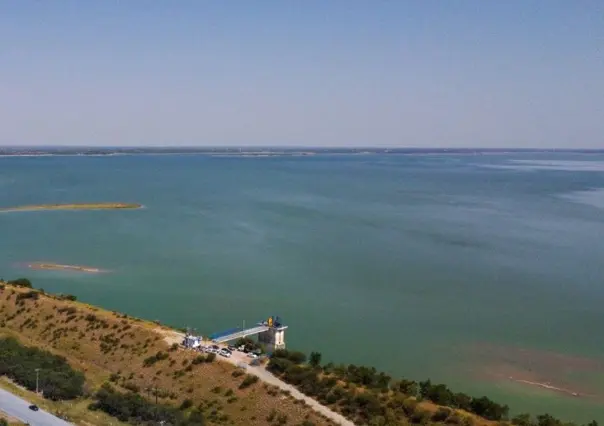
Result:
[{"x": 290, "y": 147}]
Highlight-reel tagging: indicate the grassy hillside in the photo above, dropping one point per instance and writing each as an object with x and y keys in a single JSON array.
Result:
[
  {"x": 130, "y": 365},
  {"x": 111, "y": 347}
]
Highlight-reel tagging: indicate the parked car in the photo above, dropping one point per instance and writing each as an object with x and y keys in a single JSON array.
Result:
[
  {"x": 232, "y": 348},
  {"x": 33, "y": 407},
  {"x": 225, "y": 353},
  {"x": 252, "y": 355}
]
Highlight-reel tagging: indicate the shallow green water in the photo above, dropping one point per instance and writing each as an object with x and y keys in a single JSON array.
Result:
[{"x": 414, "y": 264}]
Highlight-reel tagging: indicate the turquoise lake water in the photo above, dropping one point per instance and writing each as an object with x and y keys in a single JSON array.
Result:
[{"x": 474, "y": 270}]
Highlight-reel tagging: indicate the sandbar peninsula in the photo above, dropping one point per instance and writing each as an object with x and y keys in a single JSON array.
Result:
[
  {"x": 60, "y": 267},
  {"x": 73, "y": 206}
]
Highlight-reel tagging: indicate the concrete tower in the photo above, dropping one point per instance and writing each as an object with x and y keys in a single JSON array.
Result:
[{"x": 274, "y": 337}]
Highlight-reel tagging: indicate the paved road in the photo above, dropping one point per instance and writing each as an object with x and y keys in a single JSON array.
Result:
[{"x": 19, "y": 409}]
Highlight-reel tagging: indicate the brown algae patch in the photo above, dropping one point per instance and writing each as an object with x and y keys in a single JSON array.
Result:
[
  {"x": 73, "y": 206},
  {"x": 565, "y": 374},
  {"x": 60, "y": 267}
]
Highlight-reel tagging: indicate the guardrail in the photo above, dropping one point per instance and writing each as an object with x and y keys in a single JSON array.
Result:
[{"x": 242, "y": 333}]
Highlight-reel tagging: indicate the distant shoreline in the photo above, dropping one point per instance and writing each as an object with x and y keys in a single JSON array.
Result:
[
  {"x": 59, "y": 267},
  {"x": 73, "y": 206},
  {"x": 271, "y": 151}
]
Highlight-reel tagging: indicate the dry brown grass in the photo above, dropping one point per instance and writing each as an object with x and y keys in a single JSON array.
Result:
[
  {"x": 11, "y": 420},
  {"x": 107, "y": 345}
]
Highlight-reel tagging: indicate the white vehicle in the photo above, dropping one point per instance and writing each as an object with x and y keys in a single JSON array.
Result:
[
  {"x": 225, "y": 353},
  {"x": 252, "y": 355}
]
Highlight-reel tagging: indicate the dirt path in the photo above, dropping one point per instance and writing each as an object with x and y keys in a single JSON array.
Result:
[
  {"x": 269, "y": 378},
  {"x": 238, "y": 359}
]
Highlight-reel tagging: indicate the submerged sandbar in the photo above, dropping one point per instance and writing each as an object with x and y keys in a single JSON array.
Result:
[
  {"x": 73, "y": 206},
  {"x": 59, "y": 267}
]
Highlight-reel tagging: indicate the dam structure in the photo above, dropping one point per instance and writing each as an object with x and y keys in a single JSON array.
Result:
[{"x": 270, "y": 332}]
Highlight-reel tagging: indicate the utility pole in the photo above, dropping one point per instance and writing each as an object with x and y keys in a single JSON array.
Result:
[
  {"x": 37, "y": 379},
  {"x": 156, "y": 392}
]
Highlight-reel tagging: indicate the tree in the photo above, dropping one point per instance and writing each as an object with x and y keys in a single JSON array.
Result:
[
  {"x": 315, "y": 359},
  {"x": 408, "y": 387},
  {"x": 424, "y": 388},
  {"x": 462, "y": 401},
  {"x": 58, "y": 381},
  {"x": 490, "y": 410},
  {"x": 548, "y": 420},
  {"x": 21, "y": 282},
  {"x": 69, "y": 297},
  {"x": 522, "y": 420}
]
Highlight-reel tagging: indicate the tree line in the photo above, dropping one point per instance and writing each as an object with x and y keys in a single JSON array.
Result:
[
  {"x": 57, "y": 380},
  {"x": 364, "y": 394},
  {"x": 132, "y": 408}
]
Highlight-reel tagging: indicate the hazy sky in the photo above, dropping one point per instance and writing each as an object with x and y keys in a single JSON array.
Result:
[{"x": 313, "y": 72}]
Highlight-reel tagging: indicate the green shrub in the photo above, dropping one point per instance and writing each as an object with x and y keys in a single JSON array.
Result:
[
  {"x": 133, "y": 408},
  {"x": 133, "y": 387},
  {"x": 199, "y": 359},
  {"x": 238, "y": 372},
  {"x": 186, "y": 404},
  {"x": 28, "y": 295},
  {"x": 69, "y": 297},
  {"x": 159, "y": 356},
  {"x": 420, "y": 417},
  {"x": 441, "y": 414},
  {"x": 248, "y": 381},
  {"x": 21, "y": 282}
]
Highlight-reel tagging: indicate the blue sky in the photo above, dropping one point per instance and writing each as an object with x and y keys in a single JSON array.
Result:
[{"x": 323, "y": 73}]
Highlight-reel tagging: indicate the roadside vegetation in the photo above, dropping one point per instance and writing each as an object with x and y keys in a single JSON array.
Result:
[
  {"x": 21, "y": 364},
  {"x": 133, "y": 408}
]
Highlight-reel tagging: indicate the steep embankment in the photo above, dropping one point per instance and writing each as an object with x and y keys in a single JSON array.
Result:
[{"x": 108, "y": 346}]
